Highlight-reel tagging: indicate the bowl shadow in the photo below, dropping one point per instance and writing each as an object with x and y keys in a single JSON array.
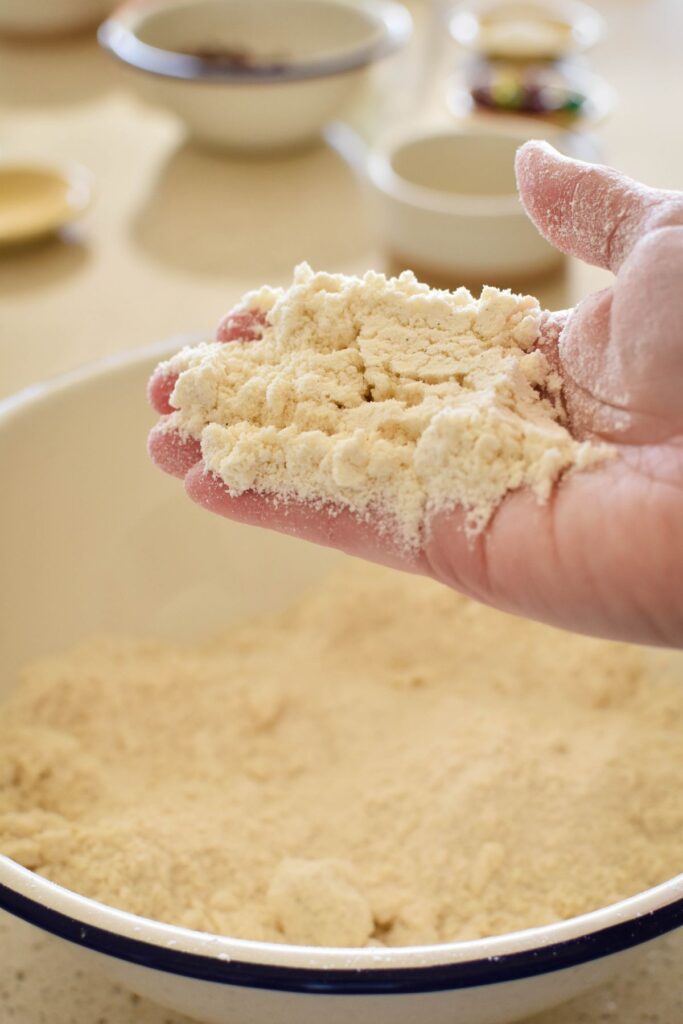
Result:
[
  {"x": 253, "y": 218},
  {"x": 41, "y": 263},
  {"x": 72, "y": 69}
]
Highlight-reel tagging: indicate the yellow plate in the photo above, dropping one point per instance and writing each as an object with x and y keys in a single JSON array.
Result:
[{"x": 36, "y": 200}]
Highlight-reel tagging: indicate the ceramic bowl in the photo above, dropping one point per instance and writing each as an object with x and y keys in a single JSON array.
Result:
[
  {"x": 444, "y": 203},
  {"x": 48, "y": 17},
  {"x": 536, "y": 30},
  {"x": 95, "y": 539},
  {"x": 254, "y": 76}
]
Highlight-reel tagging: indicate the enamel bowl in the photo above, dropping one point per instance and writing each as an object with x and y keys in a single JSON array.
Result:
[
  {"x": 254, "y": 76},
  {"x": 95, "y": 539}
]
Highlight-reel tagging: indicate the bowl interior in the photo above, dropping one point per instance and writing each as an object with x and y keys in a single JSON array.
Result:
[
  {"x": 283, "y": 31},
  {"x": 459, "y": 163},
  {"x": 97, "y": 540}
]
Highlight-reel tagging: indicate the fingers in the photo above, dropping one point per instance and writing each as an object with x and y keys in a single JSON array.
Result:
[
  {"x": 241, "y": 325},
  {"x": 237, "y": 325},
  {"x": 551, "y": 328},
  {"x": 647, "y": 331},
  {"x": 542, "y": 561},
  {"x": 596, "y": 558},
  {"x": 620, "y": 354},
  {"x": 332, "y": 526},
  {"x": 159, "y": 390},
  {"x": 586, "y": 362},
  {"x": 172, "y": 453},
  {"x": 587, "y": 210}
]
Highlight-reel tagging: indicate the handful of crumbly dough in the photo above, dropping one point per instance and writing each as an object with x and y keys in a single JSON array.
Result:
[{"x": 380, "y": 393}]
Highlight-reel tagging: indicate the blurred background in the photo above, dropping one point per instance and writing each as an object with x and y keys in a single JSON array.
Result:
[{"x": 178, "y": 229}]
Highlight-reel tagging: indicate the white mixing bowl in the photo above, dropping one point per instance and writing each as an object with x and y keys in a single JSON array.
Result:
[
  {"x": 254, "y": 76},
  {"x": 95, "y": 539}
]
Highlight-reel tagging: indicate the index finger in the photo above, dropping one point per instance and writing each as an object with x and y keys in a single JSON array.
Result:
[
  {"x": 588, "y": 210},
  {"x": 239, "y": 324}
]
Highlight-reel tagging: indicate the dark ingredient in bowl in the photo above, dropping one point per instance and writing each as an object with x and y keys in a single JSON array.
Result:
[
  {"x": 531, "y": 100},
  {"x": 236, "y": 60}
]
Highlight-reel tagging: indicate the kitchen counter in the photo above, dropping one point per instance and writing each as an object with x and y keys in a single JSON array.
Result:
[
  {"x": 39, "y": 985},
  {"x": 173, "y": 238}
]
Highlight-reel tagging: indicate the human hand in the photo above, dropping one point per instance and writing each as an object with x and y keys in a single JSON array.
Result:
[{"x": 605, "y": 554}]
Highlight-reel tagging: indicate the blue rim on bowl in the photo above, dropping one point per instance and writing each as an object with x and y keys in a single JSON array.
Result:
[
  {"x": 118, "y": 36},
  {"x": 300, "y": 969}
]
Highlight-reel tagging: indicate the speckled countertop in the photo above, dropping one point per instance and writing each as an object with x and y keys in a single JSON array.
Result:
[
  {"x": 40, "y": 985},
  {"x": 174, "y": 237}
]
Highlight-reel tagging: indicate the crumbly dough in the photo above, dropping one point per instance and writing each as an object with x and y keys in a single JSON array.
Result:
[
  {"x": 385, "y": 763},
  {"x": 380, "y": 393}
]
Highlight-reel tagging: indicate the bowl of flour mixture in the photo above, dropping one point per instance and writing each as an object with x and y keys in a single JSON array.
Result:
[{"x": 252, "y": 779}]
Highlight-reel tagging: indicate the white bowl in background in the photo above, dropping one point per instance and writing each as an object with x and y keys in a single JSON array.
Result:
[
  {"x": 45, "y": 17},
  {"x": 94, "y": 539},
  {"x": 444, "y": 202},
  {"x": 526, "y": 30},
  {"x": 290, "y": 66}
]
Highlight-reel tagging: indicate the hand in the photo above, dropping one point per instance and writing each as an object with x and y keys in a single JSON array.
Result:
[{"x": 605, "y": 554}]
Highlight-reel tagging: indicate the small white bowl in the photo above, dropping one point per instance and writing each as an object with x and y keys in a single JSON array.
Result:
[
  {"x": 254, "y": 76},
  {"x": 37, "y": 199},
  {"x": 540, "y": 30},
  {"x": 95, "y": 539},
  {"x": 445, "y": 203},
  {"x": 48, "y": 17}
]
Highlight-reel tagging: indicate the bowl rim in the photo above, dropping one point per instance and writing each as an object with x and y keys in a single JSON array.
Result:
[
  {"x": 118, "y": 35},
  {"x": 399, "y": 970},
  {"x": 280, "y": 967}
]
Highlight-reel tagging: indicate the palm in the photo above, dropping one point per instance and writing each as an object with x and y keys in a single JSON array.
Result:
[{"x": 605, "y": 554}]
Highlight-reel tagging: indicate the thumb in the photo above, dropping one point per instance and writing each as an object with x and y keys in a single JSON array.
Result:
[{"x": 588, "y": 210}]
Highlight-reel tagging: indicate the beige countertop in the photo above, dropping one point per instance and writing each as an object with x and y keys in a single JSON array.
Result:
[
  {"x": 175, "y": 235},
  {"x": 173, "y": 238}
]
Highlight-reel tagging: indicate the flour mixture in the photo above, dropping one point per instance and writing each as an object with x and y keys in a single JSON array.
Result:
[
  {"x": 376, "y": 393},
  {"x": 386, "y": 763}
]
